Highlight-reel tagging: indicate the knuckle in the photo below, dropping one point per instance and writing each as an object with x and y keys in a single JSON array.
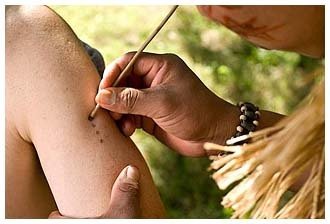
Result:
[
  {"x": 129, "y": 98},
  {"x": 129, "y": 54},
  {"x": 129, "y": 188},
  {"x": 172, "y": 57},
  {"x": 172, "y": 60}
]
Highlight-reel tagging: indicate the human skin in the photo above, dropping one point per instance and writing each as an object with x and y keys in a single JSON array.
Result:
[
  {"x": 50, "y": 89},
  {"x": 167, "y": 100},
  {"x": 298, "y": 28},
  {"x": 124, "y": 199}
]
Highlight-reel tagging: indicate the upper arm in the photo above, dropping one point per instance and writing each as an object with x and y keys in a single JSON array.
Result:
[{"x": 54, "y": 82}]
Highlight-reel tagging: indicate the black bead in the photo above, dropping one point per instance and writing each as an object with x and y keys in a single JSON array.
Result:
[
  {"x": 248, "y": 126},
  {"x": 238, "y": 134},
  {"x": 249, "y": 114},
  {"x": 250, "y": 106}
]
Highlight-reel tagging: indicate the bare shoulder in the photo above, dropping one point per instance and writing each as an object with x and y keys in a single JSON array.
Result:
[{"x": 21, "y": 18}]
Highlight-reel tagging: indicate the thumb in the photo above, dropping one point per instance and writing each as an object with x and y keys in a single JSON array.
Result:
[
  {"x": 124, "y": 202},
  {"x": 149, "y": 102}
]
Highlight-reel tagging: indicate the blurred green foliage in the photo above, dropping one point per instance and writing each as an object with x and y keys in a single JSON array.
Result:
[{"x": 231, "y": 67}]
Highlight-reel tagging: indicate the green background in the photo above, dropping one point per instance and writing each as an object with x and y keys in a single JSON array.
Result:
[{"x": 231, "y": 67}]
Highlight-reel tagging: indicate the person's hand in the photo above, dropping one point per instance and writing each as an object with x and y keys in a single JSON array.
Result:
[
  {"x": 124, "y": 201},
  {"x": 167, "y": 100}
]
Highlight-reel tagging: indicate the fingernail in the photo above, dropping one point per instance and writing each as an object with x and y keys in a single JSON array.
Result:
[
  {"x": 106, "y": 97},
  {"x": 132, "y": 173}
]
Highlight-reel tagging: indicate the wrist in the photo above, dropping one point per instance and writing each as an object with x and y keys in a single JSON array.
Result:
[
  {"x": 227, "y": 119},
  {"x": 268, "y": 118}
]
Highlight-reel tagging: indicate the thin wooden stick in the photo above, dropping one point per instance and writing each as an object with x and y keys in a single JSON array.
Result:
[{"x": 124, "y": 73}]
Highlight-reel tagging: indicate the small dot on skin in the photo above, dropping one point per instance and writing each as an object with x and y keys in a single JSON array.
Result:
[
  {"x": 101, "y": 140},
  {"x": 97, "y": 132}
]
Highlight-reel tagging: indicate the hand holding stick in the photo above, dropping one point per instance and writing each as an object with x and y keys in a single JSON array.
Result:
[{"x": 124, "y": 73}]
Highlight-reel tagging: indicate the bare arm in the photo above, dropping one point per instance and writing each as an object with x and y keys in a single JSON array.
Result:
[{"x": 52, "y": 82}]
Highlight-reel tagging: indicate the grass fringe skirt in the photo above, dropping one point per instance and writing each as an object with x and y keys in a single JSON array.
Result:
[{"x": 273, "y": 160}]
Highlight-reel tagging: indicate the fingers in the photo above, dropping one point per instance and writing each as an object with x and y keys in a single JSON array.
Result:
[
  {"x": 147, "y": 65},
  {"x": 115, "y": 116},
  {"x": 151, "y": 102},
  {"x": 124, "y": 202},
  {"x": 148, "y": 70},
  {"x": 127, "y": 125},
  {"x": 113, "y": 70}
]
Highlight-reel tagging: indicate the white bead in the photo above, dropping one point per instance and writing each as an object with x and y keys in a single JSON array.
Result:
[
  {"x": 243, "y": 108},
  {"x": 239, "y": 128},
  {"x": 257, "y": 112},
  {"x": 256, "y": 123},
  {"x": 242, "y": 117}
]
